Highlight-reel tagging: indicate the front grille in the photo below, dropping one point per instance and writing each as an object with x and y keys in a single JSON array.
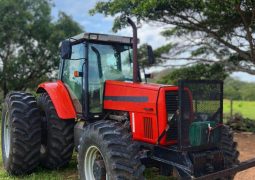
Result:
[
  {"x": 148, "y": 129},
  {"x": 171, "y": 101},
  {"x": 171, "y": 108}
]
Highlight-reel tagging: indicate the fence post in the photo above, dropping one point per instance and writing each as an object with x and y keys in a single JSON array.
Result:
[{"x": 231, "y": 109}]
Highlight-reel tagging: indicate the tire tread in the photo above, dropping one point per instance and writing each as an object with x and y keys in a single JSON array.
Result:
[
  {"x": 26, "y": 133},
  {"x": 60, "y": 136},
  {"x": 121, "y": 150}
]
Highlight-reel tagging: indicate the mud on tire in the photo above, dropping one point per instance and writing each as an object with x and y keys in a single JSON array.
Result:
[
  {"x": 21, "y": 133},
  {"x": 57, "y": 135},
  {"x": 119, "y": 151}
]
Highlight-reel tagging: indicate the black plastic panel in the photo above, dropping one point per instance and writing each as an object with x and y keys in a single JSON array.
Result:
[{"x": 171, "y": 108}]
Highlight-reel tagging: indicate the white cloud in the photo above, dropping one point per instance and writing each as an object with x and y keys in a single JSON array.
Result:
[
  {"x": 109, "y": 18},
  {"x": 147, "y": 33},
  {"x": 243, "y": 76}
]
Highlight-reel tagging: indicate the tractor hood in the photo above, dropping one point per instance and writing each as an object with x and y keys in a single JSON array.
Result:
[
  {"x": 145, "y": 104},
  {"x": 149, "y": 86},
  {"x": 129, "y": 96}
]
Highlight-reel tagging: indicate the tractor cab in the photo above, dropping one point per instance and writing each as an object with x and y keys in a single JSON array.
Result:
[{"x": 88, "y": 60}]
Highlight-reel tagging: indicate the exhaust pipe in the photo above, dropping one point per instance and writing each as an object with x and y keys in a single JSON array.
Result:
[{"x": 135, "y": 61}]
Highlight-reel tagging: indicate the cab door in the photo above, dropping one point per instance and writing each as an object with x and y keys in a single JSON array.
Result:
[{"x": 75, "y": 84}]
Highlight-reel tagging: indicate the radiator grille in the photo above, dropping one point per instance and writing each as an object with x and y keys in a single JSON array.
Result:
[
  {"x": 171, "y": 108},
  {"x": 171, "y": 101},
  {"x": 148, "y": 129}
]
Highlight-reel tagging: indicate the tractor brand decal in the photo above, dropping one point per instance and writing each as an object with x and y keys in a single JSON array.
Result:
[
  {"x": 128, "y": 98},
  {"x": 133, "y": 122}
]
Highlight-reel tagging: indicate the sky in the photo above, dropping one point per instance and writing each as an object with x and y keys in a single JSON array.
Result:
[
  {"x": 78, "y": 9},
  {"x": 148, "y": 33}
]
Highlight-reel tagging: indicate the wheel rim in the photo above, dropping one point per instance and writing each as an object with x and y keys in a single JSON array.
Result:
[
  {"x": 7, "y": 133},
  {"x": 93, "y": 156}
]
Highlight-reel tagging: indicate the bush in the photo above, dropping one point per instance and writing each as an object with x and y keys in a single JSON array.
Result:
[{"x": 238, "y": 123}]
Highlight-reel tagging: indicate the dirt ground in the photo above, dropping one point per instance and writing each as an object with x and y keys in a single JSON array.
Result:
[{"x": 246, "y": 147}]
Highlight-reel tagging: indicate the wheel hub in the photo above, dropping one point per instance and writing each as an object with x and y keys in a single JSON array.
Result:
[
  {"x": 94, "y": 165},
  {"x": 99, "y": 170}
]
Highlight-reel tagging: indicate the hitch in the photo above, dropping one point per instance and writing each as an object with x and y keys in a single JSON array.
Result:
[
  {"x": 182, "y": 162},
  {"x": 241, "y": 167}
]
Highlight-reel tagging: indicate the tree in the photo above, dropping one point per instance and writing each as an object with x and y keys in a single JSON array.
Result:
[
  {"x": 29, "y": 42},
  {"x": 142, "y": 54},
  {"x": 195, "y": 72},
  {"x": 205, "y": 31},
  {"x": 238, "y": 90}
]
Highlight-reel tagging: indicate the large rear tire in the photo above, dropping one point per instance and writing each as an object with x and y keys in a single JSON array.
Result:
[
  {"x": 57, "y": 135},
  {"x": 107, "y": 151},
  {"x": 21, "y": 133}
]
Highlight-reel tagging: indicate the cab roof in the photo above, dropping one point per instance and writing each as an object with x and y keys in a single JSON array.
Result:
[{"x": 101, "y": 37}]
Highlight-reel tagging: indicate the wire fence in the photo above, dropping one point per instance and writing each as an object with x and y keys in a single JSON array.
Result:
[{"x": 234, "y": 108}]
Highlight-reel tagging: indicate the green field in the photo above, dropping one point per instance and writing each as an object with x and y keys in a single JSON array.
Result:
[{"x": 245, "y": 108}]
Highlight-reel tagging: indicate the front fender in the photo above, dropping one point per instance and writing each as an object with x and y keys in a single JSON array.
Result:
[{"x": 60, "y": 98}]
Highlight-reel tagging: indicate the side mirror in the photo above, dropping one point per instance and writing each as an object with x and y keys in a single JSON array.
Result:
[
  {"x": 66, "y": 49},
  {"x": 151, "y": 58},
  {"x": 148, "y": 76}
]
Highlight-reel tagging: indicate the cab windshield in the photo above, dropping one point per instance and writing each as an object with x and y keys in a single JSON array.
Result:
[
  {"x": 107, "y": 62},
  {"x": 110, "y": 62}
]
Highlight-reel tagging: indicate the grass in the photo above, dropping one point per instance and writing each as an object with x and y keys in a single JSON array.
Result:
[
  {"x": 245, "y": 108},
  {"x": 69, "y": 172}
]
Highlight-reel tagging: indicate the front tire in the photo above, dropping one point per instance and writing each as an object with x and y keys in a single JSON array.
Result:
[
  {"x": 21, "y": 133},
  {"x": 57, "y": 135},
  {"x": 107, "y": 151}
]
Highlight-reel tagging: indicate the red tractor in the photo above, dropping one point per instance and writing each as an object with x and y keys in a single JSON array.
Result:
[{"x": 119, "y": 125}]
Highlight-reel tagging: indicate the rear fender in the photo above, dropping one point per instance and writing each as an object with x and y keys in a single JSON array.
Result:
[{"x": 60, "y": 98}]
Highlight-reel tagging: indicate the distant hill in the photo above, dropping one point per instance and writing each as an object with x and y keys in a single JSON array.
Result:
[{"x": 239, "y": 90}]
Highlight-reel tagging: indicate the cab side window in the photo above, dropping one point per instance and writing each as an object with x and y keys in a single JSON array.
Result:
[{"x": 74, "y": 84}]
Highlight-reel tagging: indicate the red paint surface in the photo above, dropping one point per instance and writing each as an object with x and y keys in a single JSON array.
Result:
[
  {"x": 117, "y": 88},
  {"x": 156, "y": 102},
  {"x": 154, "y": 108},
  {"x": 60, "y": 98}
]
